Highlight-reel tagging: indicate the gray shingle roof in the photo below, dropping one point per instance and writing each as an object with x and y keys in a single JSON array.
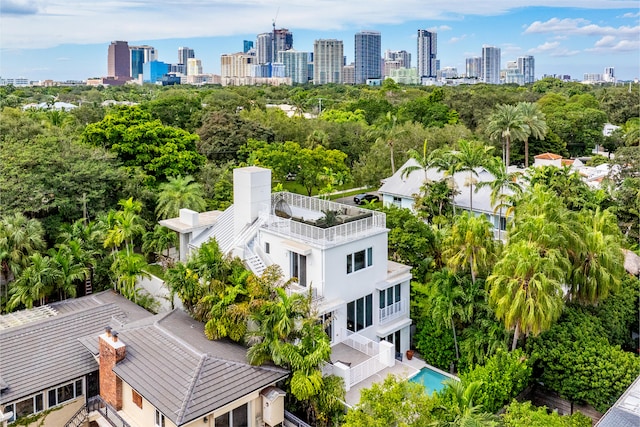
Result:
[
  {"x": 184, "y": 375},
  {"x": 46, "y": 352},
  {"x": 407, "y": 186}
]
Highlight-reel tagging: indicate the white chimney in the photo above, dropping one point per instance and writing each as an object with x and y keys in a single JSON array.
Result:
[{"x": 251, "y": 192}]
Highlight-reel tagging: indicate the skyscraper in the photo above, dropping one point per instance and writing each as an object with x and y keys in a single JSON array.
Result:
[
  {"x": 491, "y": 61},
  {"x": 402, "y": 56},
  {"x": 609, "y": 74},
  {"x": 473, "y": 67},
  {"x": 282, "y": 41},
  {"x": 184, "y": 54},
  {"x": 427, "y": 51},
  {"x": 264, "y": 48},
  {"x": 119, "y": 60},
  {"x": 367, "y": 54},
  {"x": 140, "y": 55},
  {"x": 194, "y": 67},
  {"x": 295, "y": 65},
  {"x": 328, "y": 59},
  {"x": 247, "y": 45},
  {"x": 526, "y": 65}
]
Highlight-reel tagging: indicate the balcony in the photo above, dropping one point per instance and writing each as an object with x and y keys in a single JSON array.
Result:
[{"x": 392, "y": 311}]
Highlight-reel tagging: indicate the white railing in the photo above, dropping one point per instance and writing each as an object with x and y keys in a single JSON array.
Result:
[
  {"x": 360, "y": 343},
  {"x": 357, "y": 221},
  {"x": 392, "y": 311},
  {"x": 364, "y": 370}
]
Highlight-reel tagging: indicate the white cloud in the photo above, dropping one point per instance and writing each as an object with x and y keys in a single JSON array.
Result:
[
  {"x": 454, "y": 40},
  {"x": 631, "y": 15},
  {"x": 579, "y": 27},
  {"x": 53, "y": 22}
]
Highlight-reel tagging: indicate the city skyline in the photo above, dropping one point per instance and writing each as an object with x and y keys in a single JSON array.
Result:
[{"x": 563, "y": 40}]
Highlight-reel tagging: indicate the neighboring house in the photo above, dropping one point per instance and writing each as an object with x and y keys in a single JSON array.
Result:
[
  {"x": 626, "y": 411},
  {"x": 102, "y": 358},
  {"x": 43, "y": 366},
  {"x": 337, "y": 251},
  {"x": 399, "y": 190}
]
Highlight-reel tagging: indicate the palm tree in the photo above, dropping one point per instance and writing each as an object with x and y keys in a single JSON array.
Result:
[
  {"x": 128, "y": 267},
  {"x": 445, "y": 294},
  {"x": 506, "y": 123},
  {"x": 35, "y": 282},
  {"x": 389, "y": 132},
  {"x": 159, "y": 240},
  {"x": 179, "y": 193},
  {"x": 470, "y": 244},
  {"x": 19, "y": 238},
  {"x": 464, "y": 412},
  {"x": 470, "y": 156},
  {"x": 72, "y": 268},
  {"x": 536, "y": 126},
  {"x": 525, "y": 288},
  {"x": 598, "y": 265},
  {"x": 126, "y": 225},
  {"x": 504, "y": 187}
]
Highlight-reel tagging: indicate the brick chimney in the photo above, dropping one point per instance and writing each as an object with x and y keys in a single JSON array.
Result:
[{"x": 111, "y": 352}]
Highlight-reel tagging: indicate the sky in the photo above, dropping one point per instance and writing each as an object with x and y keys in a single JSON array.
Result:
[{"x": 68, "y": 39}]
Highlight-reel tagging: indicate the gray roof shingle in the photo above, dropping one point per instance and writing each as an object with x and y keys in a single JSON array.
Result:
[
  {"x": 46, "y": 352},
  {"x": 184, "y": 375}
]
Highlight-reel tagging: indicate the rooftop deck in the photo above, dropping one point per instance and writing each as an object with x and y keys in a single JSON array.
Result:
[{"x": 320, "y": 222}]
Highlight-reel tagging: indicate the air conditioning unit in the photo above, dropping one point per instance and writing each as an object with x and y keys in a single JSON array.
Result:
[{"x": 272, "y": 406}]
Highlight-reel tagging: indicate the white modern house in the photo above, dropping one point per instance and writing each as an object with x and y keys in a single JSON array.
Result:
[{"x": 337, "y": 251}]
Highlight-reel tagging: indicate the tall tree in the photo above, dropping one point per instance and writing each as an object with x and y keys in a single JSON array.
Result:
[
  {"x": 504, "y": 187},
  {"x": 19, "y": 238},
  {"x": 35, "y": 282},
  {"x": 470, "y": 245},
  {"x": 179, "y": 193},
  {"x": 128, "y": 267},
  {"x": 536, "y": 126},
  {"x": 506, "y": 123},
  {"x": 470, "y": 156},
  {"x": 71, "y": 266},
  {"x": 525, "y": 288}
]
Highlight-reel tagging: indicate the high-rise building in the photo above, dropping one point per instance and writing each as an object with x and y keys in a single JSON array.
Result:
[
  {"x": 491, "y": 61},
  {"x": 269, "y": 44},
  {"x": 368, "y": 51},
  {"x": 609, "y": 75},
  {"x": 194, "y": 67},
  {"x": 512, "y": 73},
  {"x": 137, "y": 61},
  {"x": 282, "y": 41},
  {"x": 527, "y": 67},
  {"x": 247, "y": 45},
  {"x": 328, "y": 59},
  {"x": 184, "y": 54},
  {"x": 401, "y": 56},
  {"x": 427, "y": 51},
  {"x": 264, "y": 48},
  {"x": 473, "y": 67},
  {"x": 119, "y": 60},
  {"x": 349, "y": 74},
  {"x": 295, "y": 65},
  {"x": 140, "y": 55},
  {"x": 236, "y": 65},
  {"x": 154, "y": 70}
]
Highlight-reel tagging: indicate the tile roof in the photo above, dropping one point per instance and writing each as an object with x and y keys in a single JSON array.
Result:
[
  {"x": 548, "y": 156},
  {"x": 626, "y": 411},
  {"x": 45, "y": 352},
  {"x": 172, "y": 364}
]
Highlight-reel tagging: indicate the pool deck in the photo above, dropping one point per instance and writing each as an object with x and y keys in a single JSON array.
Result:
[{"x": 404, "y": 369}]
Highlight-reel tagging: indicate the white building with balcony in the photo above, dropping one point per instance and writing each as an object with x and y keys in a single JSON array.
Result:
[{"x": 338, "y": 251}]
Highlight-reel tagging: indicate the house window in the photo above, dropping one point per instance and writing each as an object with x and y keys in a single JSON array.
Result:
[
  {"x": 137, "y": 399},
  {"x": 64, "y": 393},
  {"x": 390, "y": 303},
  {"x": 299, "y": 268},
  {"x": 236, "y": 418},
  {"x": 394, "y": 339},
  {"x": 359, "y": 260},
  {"x": 25, "y": 407},
  {"x": 160, "y": 419},
  {"x": 397, "y": 201},
  {"x": 360, "y": 313},
  {"x": 327, "y": 321},
  {"x": 267, "y": 247}
]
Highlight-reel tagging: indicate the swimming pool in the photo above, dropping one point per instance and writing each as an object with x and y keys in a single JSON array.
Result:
[{"x": 431, "y": 378}]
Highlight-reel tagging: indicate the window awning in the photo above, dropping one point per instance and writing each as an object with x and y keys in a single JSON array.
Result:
[
  {"x": 386, "y": 330},
  {"x": 297, "y": 247}
]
